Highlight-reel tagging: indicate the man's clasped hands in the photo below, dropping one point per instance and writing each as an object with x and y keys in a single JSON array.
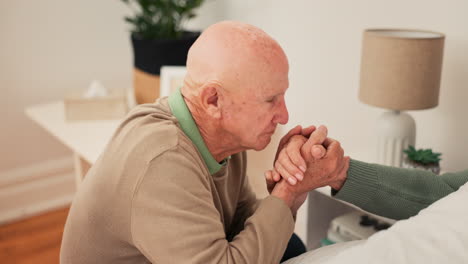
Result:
[{"x": 308, "y": 159}]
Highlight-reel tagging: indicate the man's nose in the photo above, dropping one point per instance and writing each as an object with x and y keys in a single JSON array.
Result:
[{"x": 282, "y": 115}]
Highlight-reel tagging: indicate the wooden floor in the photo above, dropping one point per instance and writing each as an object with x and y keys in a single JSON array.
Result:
[{"x": 33, "y": 240}]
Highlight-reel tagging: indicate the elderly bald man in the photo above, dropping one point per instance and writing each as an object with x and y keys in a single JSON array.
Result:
[{"x": 171, "y": 185}]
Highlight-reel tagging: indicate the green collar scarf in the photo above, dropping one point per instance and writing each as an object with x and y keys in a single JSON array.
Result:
[{"x": 181, "y": 112}]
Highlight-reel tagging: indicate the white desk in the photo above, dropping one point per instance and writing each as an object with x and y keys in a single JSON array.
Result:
[{"x": 87, "y": 139}]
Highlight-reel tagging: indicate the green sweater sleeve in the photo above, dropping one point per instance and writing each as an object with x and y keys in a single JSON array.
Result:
[{"x": 396, "y": 193}]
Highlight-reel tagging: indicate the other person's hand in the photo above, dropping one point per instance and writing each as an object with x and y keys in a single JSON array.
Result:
[{"x": 330, "y": 170}]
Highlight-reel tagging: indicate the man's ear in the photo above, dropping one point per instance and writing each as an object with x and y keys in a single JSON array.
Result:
[{"x": 210, "y": 100}]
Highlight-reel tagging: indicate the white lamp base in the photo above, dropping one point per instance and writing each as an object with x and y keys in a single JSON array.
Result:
[{"x": 395, "y": 131}]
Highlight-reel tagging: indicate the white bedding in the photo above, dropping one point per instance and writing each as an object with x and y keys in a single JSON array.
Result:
[{"x": 438, "y": 234}]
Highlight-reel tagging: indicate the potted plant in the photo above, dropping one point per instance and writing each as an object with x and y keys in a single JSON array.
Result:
[
  {"x": 422, "y": 159},
  {"x": 158, "y": 38}
]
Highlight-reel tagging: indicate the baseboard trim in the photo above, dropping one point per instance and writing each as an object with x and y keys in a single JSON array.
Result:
[
  {"x": 34, "y": 209},
  {"x": 36, "y": 189},
  {"x": 35, "y": 171}
]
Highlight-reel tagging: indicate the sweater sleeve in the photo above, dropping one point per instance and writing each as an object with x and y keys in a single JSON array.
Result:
[
  {"x": 393, "y": 192},
  {"x": 174, "y": 219},
  {"x": 246, "y": 206},
  {"x": 247, "y": 203}
]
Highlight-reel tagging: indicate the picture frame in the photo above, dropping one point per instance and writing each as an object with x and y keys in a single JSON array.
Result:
[{"x": 172, "y": 77}]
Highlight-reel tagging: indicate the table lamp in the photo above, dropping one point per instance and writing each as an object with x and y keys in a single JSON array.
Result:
[{"x": 400, "y": 70}]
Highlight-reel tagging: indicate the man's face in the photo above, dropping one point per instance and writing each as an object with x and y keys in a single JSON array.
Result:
[{"x": 251, "y": 116}]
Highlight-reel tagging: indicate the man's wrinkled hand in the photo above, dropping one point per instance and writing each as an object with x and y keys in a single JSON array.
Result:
[
  {"x": 325, "y": 166},
  {"x": 290, "y": 163}
]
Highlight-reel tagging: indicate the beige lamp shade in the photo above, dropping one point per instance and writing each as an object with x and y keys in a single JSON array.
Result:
[{"x": 401, "y": 69}]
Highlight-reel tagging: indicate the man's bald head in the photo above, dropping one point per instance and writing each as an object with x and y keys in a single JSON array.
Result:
[
  {"x": 235, "y": 56},
  {"x": 236, "y": 80}
]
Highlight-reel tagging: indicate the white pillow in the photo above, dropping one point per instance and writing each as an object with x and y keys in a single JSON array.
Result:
[{"x": 438, "y": 234}]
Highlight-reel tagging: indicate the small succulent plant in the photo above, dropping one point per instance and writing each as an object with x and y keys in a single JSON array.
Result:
[{"x": 422, "y": 156}]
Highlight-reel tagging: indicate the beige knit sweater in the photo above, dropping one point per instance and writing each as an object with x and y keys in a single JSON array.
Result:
[{"x": 150, "y": 198}]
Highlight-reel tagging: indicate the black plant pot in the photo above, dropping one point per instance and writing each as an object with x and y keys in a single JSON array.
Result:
[{"x": 150, "y": 55}]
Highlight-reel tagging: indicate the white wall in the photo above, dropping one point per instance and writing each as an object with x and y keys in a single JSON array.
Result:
[
  {"x": 52, "y": 47},
  {"x": 323, "y": 40}
]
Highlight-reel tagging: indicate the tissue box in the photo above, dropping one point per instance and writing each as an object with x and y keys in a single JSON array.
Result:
[{"x": 112, "y": 106}]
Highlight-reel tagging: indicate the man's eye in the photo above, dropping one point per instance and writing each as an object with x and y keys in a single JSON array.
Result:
[{"x": 270, "y": 100}]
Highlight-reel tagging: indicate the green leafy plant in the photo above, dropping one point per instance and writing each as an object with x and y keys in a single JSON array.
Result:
[
  {"x": 160, "y": 19},
  {"x": 422, "y": 156}
]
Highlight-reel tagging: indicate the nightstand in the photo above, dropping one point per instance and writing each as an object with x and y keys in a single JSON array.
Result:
[{"x": 322, "y": 208}]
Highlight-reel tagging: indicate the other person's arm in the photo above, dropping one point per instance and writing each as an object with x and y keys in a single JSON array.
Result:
[
  {"x": 396, "y": 193},
  {"x": 388, "y": 191}
]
